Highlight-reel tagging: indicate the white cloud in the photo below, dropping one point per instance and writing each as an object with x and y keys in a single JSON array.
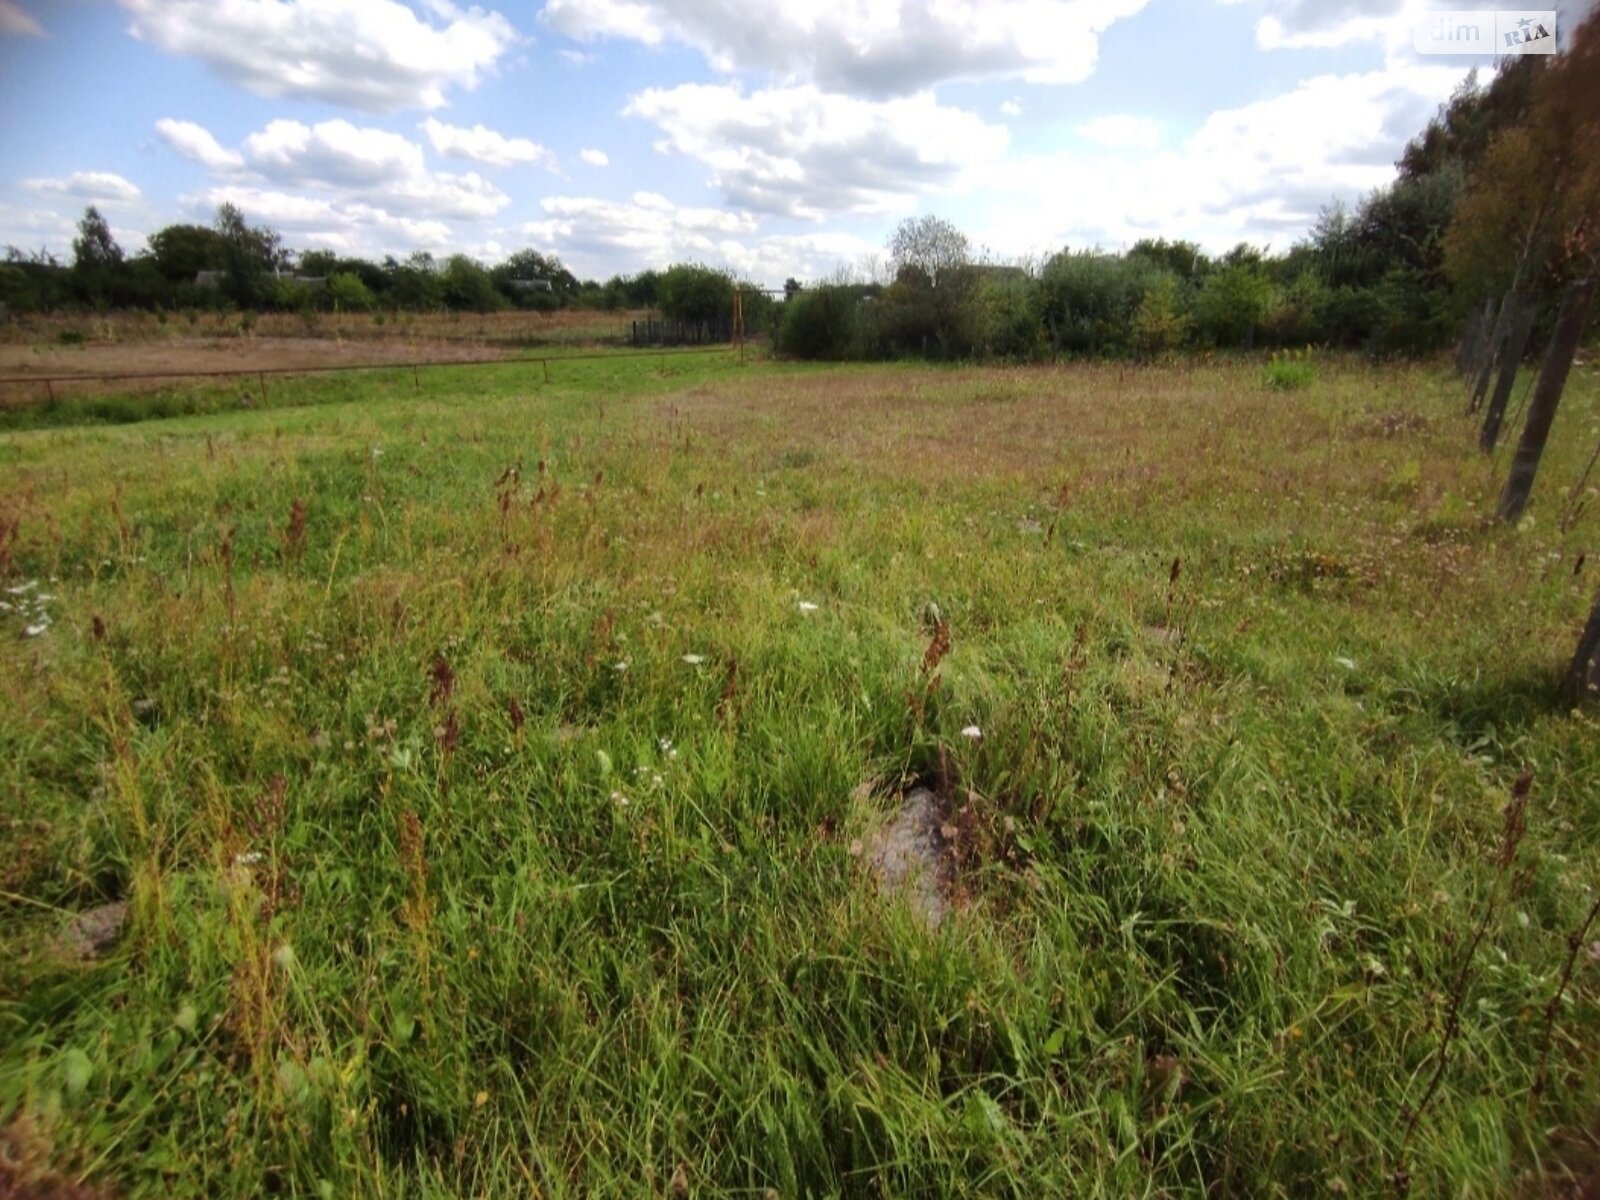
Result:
[
  {"x": 39, "y": 229},
  {"x": 599, "y": 237},
  {"x": 802, "y": 152},
  {"x": 1012, "y": 107},
  {"x": 97, "y": 187},
  {"x": 331, "y": 152},
  {"x": 196, "y": 142},
  {"x": 595, "y": 158},
  {"x": 31, "y": 229},
  {"x": 358, "y": 164},
  {"x": 1301, "y": 24},
  {"x": 484, "y": 145},
  {"x": 15, "y": 21},
  {"x": 375, "y": 55},
  {"x": 578, "y": 58},
  {"x": 1119, "y": 131},
  {"x": 876, "y": 47},
  {"x": 1258, "y": 172},
  {"x": 336, "y": 223},
  {"x": 440, "y": 194}
]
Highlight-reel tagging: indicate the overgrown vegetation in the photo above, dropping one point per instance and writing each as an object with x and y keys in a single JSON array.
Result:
[
  {"x": 488, "y": 775},
  {"x": 1287, "y": 371}
]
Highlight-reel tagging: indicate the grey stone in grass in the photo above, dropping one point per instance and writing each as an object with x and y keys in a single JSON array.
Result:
[
  {"x": 908, "y": 856},
  {"x": 92, "y": 933}
]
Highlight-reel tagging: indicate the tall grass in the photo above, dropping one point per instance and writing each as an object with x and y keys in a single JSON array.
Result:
[{"x": 488, "y": 772}]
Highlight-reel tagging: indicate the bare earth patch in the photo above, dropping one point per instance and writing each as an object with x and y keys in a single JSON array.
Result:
[
  {"x": 184, "y": 355},
  {"x": 908, "y": 856}
]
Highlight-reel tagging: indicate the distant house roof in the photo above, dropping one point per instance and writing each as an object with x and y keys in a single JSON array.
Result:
[
  {"x": 530, "y": 285},
  {"x": 210, "y": 279}
]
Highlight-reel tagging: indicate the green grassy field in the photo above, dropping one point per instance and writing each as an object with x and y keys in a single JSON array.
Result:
[{"x": 489, "y": 768}]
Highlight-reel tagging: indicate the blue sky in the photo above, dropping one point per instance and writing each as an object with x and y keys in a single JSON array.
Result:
[{"x": 776, "y": 139}]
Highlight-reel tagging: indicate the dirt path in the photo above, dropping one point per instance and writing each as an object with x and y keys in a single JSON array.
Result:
[{"x": 183, "y": 355}]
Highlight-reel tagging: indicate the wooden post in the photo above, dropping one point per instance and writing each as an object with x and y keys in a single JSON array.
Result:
[
  {"x": 1482, "y": 321},
  {"x": 50, "y": 390},
  {"x": 416, "y": 380},
  {"x": 738, "y": 321},
  {"x": 261, "y": 378},
  {"x": 1491, "y": 351},
  {"x": 1583, "y": 676},
  {"x": 1516, "y": 345},
  {"x": 545, "y": 363},
  {"x": 1558, "y": 358}
]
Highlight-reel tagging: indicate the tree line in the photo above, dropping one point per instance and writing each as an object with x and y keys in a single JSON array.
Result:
[
  {"x": 1498, "y": 191},
  {"x": 234, "y": 264},
  {"x": 1492, "y": 194}
]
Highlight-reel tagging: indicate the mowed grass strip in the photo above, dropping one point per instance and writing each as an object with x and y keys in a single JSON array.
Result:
[{"x": 488, "y": 772}]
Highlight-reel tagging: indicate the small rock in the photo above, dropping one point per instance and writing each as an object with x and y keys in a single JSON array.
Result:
[
  {"x": 94, "y": 931},
  {"x": 908, "y": 854}
]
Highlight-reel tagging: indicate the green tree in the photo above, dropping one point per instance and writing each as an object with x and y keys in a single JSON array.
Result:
[
  {"x": 1008, "y": 298},
  {"x": 1090, "y": 298},
  {"x": 348, "y": 294},
  {"x": 1232, "y": 304},
  {"x": 94, "y": 249},
  {"x": 1534, "y": 200},
  {"x": 96, "y": 260},
  {"x": 414, "y": 284},
  {"x": 181, "y": 252},
  {"x": 466, "y": 286},
  {"x": 694, "y": 292},
  {"x": 822, "y": 323},
  {"x": 251, "y": 256},
  {"x": 322, "y": 263},
  {"x": 513, "y": 274},
  {"x": 1184, "y": 259},
  {"x": 1160, "y": 324}
]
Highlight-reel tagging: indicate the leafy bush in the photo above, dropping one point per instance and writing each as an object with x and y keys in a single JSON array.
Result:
[
  {"x": 348, "y": 293},
  {"x": 466, "y": 286},
  {"x": 823, "y": 323},
  {"x": 691, "y": 292},
  {"x": 1008, "y": 306},
  {"x": 289, "y": 295},
  {"x": 1160, "y": 325},
  {"x": 1232, "y": 305},
  {"x": 1090, "y": 299},
  {"x": 1351, "y": 315},
  {"x": 1289, "y": 371},
  {"x": 920, "y": 316},
  {"x": 1294, "y": 315}
]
